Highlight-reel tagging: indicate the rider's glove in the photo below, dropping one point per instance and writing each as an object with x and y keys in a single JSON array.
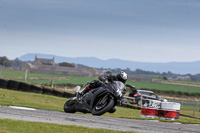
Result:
[{"x": 95, "y": 84}]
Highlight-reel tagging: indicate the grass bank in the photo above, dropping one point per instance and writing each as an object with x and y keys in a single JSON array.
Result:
[{"x": 12, "y": 126}]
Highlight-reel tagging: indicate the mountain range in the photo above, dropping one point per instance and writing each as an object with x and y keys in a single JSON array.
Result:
[{"x": 174, "y": 67}]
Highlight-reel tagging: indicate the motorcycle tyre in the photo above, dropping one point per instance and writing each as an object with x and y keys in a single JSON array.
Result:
[
  {"x": 109, "y": 106},
  {"x": 69, "y": 109}
]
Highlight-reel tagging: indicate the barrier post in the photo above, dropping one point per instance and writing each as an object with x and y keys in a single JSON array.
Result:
[
  {"x": 25, "y": 78},
  {"x": 1, "y": 71},
  {"x": 194, "y": 109}
]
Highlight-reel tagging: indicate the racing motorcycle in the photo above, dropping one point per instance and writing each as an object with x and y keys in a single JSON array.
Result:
[{"x": 97, "y": 101}]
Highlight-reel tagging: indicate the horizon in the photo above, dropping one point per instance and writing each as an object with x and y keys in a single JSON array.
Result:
[
  {"x": 53, "y": 55},
  {"x": 141, "y": 31},
  {"x": 182, "y": 68}
]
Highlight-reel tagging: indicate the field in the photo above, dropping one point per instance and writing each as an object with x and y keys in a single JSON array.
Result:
[{"x": 75, "y": 80}]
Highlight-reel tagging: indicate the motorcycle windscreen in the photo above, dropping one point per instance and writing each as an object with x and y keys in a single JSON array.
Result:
[{"x": 119, "y": 88}]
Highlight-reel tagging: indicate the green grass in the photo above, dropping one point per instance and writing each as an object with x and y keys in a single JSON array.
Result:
[
  {"x": 13, "y": 126},
  {"x": 187, "y": 81},
  {"x": 25, "y": 99},
  {"x": 17, "y": 98},
  {"x": 167, "y": 87},
  {"x": 76, "y": 80}
]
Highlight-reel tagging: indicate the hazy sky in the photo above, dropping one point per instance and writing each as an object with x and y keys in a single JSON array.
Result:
[{"x": 135, "y": 30}]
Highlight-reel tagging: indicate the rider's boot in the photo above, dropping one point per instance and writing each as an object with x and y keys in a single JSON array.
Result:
[
  {"x": 85, "y": 90},
  {"x": 112, "y": 110}
]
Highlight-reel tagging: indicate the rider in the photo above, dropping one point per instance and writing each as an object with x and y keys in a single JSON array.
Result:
[{"x": 121, "y": 76}]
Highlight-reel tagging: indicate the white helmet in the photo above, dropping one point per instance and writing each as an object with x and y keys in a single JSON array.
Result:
[{"x": 122, "y": 76}]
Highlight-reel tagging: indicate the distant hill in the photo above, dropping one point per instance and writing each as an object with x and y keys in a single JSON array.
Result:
[{"x": 174, "y": 67}]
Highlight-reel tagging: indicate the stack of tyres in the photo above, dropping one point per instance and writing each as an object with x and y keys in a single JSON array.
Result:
[
  {"x": 169, "y": 110},
  {"x": 68, "y": 95},
  {"x": 58, "y": 93},
  {"x": 3, "y": 83},
  {"x": 36, "y": 89},
  {"x": 24, "y": 87},
  {"x": 47, "y": 90},
  {"x": 13, "y": 85},
  {"x": 150, "y": 109},
  {"x": 162, "y": 110}
]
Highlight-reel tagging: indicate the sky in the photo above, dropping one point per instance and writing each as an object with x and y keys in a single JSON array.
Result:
[{"x": 134, "y": 30}]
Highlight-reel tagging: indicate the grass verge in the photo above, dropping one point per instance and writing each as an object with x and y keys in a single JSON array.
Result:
[
  {"x": 6, "y": 126},
  {"x": 17, "y": 98}
]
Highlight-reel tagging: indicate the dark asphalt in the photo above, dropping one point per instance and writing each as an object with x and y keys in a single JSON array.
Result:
[{"x": 150, "y": 126}]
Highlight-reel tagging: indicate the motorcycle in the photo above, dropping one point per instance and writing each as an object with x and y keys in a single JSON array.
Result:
[{"x": 97, "y": 101}]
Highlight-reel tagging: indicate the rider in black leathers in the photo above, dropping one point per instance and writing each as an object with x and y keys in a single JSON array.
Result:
[{"x": 121, "y": 76}]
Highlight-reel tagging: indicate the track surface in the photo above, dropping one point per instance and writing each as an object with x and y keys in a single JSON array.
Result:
[{"x": 96, "y": 121}]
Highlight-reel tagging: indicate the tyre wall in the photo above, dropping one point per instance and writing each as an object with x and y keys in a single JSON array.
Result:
[
  {"x": 36, "y": 89},
  {"x": 3, "y": 83},
  {"x": 26, "y": 87},
  {"x": 161, "y": 110},
  {"x": 13, "y": 85}
]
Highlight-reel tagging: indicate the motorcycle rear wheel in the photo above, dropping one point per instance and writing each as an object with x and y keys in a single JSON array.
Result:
[
  {"x": 108, "y": 106},
  {"x": 69, "y": 106}
]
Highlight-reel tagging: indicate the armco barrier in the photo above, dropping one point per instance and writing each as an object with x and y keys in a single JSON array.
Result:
[
  {"x": 3, "y": 83},
  {"x": 13, "y": 85}
]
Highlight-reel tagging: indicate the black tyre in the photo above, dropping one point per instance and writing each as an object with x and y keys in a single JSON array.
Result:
[
  {"x": 58, "y": 93},
  {"x": 100, "y": 109},
  {"x": 69, "y": 106},
  {"x": 13, "y": 85},
  {"x": 24, "y": 87},
  {"x": 36, "y": 89},
  {"x": 67, "y": 95},
  {"x": 47, "y": 91},
  {"x": 3, "y": 83}
]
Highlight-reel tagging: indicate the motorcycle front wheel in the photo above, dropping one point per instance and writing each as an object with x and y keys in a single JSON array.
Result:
[
  {"x": 100, "y": 109},
  {"x": 69, "y": 106}
]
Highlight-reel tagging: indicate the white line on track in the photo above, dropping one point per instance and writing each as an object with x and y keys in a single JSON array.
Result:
[{"x": 23, "y": 108}]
